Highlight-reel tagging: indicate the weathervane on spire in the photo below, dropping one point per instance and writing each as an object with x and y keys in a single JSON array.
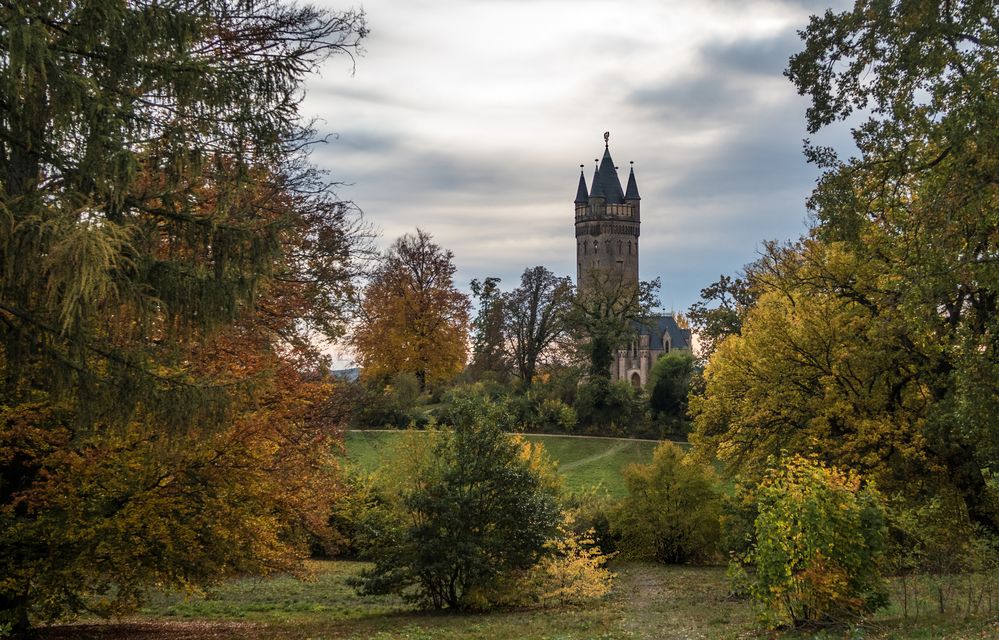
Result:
[{"x": 606, "y": 138}]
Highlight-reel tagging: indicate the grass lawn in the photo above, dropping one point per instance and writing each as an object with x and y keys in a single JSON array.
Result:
[
  {"x": 649, "y": 601},
  {"x": 584, "y": 462}
]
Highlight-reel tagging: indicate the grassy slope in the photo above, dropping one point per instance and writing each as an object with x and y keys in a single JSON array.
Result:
[
  {"x": 584, "y": 462},
  {"x": 649, "y": 601}
]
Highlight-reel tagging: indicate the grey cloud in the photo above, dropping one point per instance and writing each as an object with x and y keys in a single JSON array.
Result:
[
  {"x": 689, "y": 100},
  {"x": 811, "y": 6},
  {"x": 763, "y": 154},
  {"x": 765, "y": 56},
  {"x": 718, "y": 155},
  {"x": 328, "y": 91},
  {"x": 365, "y": 141}
]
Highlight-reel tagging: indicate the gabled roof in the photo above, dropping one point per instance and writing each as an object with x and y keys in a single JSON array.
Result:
[
  {"x": 581, "y": 197},
  {"x": 657, "y": 327},
  {"x": 632, "y": 191}
]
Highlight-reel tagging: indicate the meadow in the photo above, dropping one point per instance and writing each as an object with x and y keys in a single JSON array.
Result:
[
  {"x": 649, "y": 601},
  {"x": 585, "y": 463}
]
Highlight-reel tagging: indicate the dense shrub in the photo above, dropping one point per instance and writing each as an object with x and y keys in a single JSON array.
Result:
[
  {"x": 475, "y": 510},
  {"x": 669, "y": 385},
  {"x": 820, "y": 543},
  {"x": 941, "y": 560},
  {"x": 535, "y": 412},
  {"x": 591, "y": 511},
  {"x": 671, "y": 511},
  {"x": 392, "y": 403},
  {"x": 570, "y": 571},
  {"x": 611, "y": 408}
]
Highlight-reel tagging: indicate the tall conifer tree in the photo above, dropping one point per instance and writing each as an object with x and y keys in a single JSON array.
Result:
[{"x": 151, "y": 176}]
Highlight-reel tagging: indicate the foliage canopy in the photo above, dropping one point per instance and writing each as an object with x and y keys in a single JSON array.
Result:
[
  {"x": 165, "y": 248},
  {"x": 874, "y": 340}
]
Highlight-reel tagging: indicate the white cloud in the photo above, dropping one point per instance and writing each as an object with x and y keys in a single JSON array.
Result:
[{"x": 469, "y": 118}]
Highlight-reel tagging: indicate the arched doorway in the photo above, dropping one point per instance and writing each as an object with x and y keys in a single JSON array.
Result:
[{"x": 636, "y": 380}]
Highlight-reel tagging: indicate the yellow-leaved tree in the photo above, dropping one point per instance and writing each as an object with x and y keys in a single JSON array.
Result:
[
  {"x": 816, "y": 372},
  {"x": 414, "y": 320}
]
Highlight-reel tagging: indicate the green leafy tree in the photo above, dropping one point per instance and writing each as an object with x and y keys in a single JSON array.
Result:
[
  {"x": 671, "y": 513},
  {"x": 819, "y": 549},
  {"x": 605, "y": 311},
  {"x": 154, "y": 196},
  {"x": 488, "y": 341},
  {"x": 873, "y": 341},
  {"x": 536, "y": 320},
  {"x": 670, "y": 381},
  {"x": 476, "y": 509},
  {"x": 920, "y": 204},
  {"x": 611, "y": 408},
  {"x": 719, "y": 312}
]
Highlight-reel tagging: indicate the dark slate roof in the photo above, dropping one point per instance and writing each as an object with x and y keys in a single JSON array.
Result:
[
  {"x": 581, "y": 191},
  {"x": 632, "y": 191},
  {"x": 606, "y": 182},
  {"x": 596, "y": 190},
  {"x": 658, "y": 326}
]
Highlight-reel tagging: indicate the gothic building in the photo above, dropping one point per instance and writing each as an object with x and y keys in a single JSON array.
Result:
[{"x": 607, "y": 229}]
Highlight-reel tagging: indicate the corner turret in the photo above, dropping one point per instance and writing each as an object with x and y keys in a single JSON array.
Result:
[{"x": 581, "y": 197}]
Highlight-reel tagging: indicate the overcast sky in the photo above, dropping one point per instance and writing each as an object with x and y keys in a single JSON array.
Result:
[{"x": 470, "y": 118}]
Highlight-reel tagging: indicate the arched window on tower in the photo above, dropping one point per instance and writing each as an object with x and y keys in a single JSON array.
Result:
[
  {"x": 620, "y": 247},
  {"x": 596, "y": 246},
  {"x": 629, "y": 247}
]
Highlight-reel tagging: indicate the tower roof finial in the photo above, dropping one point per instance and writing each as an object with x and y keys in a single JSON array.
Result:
[{"x": 606, "y": 139}]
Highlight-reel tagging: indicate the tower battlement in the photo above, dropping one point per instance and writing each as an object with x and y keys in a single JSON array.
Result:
[{"x": 608, "y": 222}]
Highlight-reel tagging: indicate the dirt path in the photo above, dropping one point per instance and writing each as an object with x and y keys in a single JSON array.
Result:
[
  {"x": 603, "y": 454},
  {"x": 673, "y": 603}
]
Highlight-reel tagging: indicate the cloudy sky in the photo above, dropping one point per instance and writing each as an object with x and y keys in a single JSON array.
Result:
[{"x": 470, "y": 118}]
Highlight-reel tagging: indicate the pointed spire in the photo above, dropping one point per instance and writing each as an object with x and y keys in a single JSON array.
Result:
[
  {"x": 595, "y": 190},
  {"x": 581, "y": 197},
  {"x": 632, "y": 191},
  {"x": 609, "y": 183}
]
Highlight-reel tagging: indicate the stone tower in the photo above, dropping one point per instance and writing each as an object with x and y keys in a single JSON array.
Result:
[{"x": 607, "y": 224}]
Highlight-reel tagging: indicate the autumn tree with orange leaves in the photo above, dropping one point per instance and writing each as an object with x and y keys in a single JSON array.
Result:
[
  {"x": 413, "y": 319},
  {"x": 167, "y": 256}
]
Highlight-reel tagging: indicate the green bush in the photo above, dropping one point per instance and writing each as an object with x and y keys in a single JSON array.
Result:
[
  {"x": 669, "y": 386},
  {"x": 611, "y": 408},
  {"x": 671, "y": 512},
  {"x": 591, "y": 510},
  {"x": 533, "y": 412},
  {"x": 941, "y": 560},
  {"x": 820, "y": 544},
  {"x": 388, "y": 404},
  {"x": 475, "y": 508}
]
